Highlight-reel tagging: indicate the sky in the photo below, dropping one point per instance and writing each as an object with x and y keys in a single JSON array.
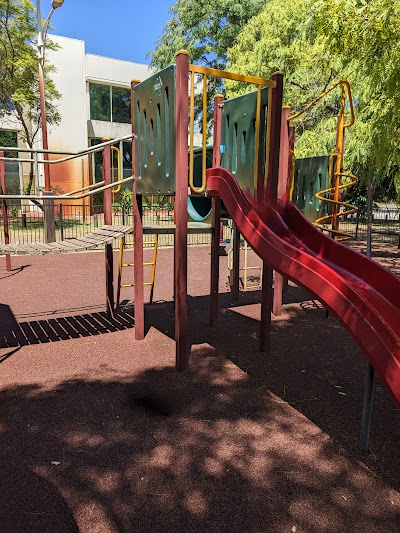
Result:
[{"x": 122, "y": 29}]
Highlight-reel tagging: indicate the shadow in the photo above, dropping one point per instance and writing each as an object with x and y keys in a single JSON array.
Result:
[
  {"x": 14, "y": 271},
  {"x": 13, "y": 333},
  {"x": 208, "y": 450},
  {"x": 314, "y": 366},
  {"x": 31, "y": 503},
  {"x": 5, "y": 356}
]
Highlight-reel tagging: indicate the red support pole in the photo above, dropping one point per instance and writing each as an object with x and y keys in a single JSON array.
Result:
[
  {"x": 138, "y": 274},
  {"x": 272, "y": 193},
  {"x": 107, "y": 203},
  {"x": 216, "y": 210},
  {"x": 181, "y": 199},
  {"x": 283, "y": 180},
  {"x": 4, "y": 210}
]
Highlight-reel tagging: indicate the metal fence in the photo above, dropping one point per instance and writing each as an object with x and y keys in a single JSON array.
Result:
[
  {"x": 385, "y": 225},
  {"x": 26, "y": 222}
]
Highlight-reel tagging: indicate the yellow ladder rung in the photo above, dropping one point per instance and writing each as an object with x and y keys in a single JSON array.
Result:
[
  {"x": 133, "y": 264},
  {"x": 123, "y": 244},
  {"x": 144, "y": 243}
]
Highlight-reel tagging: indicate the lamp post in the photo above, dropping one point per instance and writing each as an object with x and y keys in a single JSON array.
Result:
[{"x": 41, "y": 43}]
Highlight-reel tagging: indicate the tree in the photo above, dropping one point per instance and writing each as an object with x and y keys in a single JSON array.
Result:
[
  {"x": 19, "y": 83},
  {"x": 206, "y": 28},
  {"x": 317, "y": 43},
  {"x": 366, "y": 34}
]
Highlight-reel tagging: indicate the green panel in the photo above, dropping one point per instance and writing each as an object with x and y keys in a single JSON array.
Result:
[
  {"x": 310, "y": 177},
  {"x": 238, "y": 136},
  {"x": 155, "y": 129}
]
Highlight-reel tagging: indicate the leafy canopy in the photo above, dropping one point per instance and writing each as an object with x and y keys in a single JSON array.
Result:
[
  {"x": 317, "y": 43},
  {"x": 206, "y": 28}
]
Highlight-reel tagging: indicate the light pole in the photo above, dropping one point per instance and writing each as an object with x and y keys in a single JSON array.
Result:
[{"x": 41, "y": 43}]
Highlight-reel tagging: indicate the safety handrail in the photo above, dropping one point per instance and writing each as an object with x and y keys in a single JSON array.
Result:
[
  {"x": 93, "y": 185},
  {"x": 117, "y": 190},
  {"x": 71, "y": 155},
  {"x": 349, "y": 208},
  {"x": 66, "y": 196},
  {"x": 345, "y": 84},
  {"x": 335, "y": 176},
  {"x": 205, "y": 72}
]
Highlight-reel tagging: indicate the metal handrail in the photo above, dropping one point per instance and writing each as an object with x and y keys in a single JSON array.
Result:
[
  {"x": 71, "y": 155},
  {"x": 345, "y": 84},
  {"x": 205, "y": 71},
  {"x": 117, "y": 190},
  {"x": 97, "y": 184},
  {"x": 66, "y": 196}
]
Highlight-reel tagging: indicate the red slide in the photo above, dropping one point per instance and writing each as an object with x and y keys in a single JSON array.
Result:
[{"x": 364, "y": 296}]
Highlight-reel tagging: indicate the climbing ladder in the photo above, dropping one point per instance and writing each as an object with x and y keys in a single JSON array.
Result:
[
  {"x": 123, "y": 243},
  {"x": 246, "y": 285}
]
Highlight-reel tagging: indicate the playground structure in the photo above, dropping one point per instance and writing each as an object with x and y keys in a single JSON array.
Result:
[
  {"x": 254, "y": 186},
  {"x": 363, "y": 296}
]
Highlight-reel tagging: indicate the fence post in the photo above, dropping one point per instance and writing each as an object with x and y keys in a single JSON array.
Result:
[
  {"x": 60, "y": 216},
  {"x": 4, "y": 209}
]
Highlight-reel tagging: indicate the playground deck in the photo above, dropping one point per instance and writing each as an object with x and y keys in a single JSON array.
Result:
[{"x": 98, "y": 433}]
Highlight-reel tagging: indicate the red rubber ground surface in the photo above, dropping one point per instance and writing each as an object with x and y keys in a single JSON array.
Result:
[{"x": 242, "y": 442}]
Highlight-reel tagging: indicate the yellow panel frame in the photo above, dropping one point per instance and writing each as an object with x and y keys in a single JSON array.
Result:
[{"x": 205, "y": 72}]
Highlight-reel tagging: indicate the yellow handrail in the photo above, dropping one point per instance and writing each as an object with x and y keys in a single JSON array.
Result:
[
  {"x": 117, "y": 190},
  {"x": 205, "y": 72},
  {"x": 345, "y": 84},
  {"x": 350, "y": 209},
  {"x": 335, "y": 175}
]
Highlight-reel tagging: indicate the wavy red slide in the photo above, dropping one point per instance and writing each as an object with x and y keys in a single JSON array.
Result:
[{"x": 364, "y": 296}]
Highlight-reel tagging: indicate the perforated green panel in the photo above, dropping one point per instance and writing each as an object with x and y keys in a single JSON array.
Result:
[
  {"x": 154, "y": 117},
  {"x": 238, "y": 136},
  {"x": 311, "y": 175}
]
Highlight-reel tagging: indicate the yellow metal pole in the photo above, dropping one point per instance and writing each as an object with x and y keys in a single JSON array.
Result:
[
  {"x": 257, "y": 138},
  {"x": 339, "y": 159},
  {"x": 191, "y": 129}
]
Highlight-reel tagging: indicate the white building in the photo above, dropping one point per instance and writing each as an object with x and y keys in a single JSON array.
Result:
[{"x": 94, "y": 103}]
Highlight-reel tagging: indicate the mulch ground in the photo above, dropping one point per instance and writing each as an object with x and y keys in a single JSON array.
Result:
[{"x": 99, "y": 433}]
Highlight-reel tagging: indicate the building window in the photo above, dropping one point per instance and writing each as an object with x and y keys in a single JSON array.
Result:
[
  {"x": 98, "y": 160},
  {"x": 109, "y": 103},
  {"x": 9, "y": 138},
  {"x": 121, "y": 105}
]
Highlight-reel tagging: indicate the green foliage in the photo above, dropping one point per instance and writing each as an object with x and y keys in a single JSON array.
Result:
[
  {"x": 126, "y": 200},
  {"x": 19, "y": 84},
  {"x": 318, "y": 43},
  {"x": 206, "y": 28}
]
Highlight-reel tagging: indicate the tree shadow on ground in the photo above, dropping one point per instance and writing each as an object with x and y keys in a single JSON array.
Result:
[{"x": 162, "y": 451}]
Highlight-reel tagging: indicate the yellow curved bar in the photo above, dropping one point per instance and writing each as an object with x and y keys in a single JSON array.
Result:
[
  {"x": 349, "y": 208},
  {"x": 205, "y": 71},
  {"x": 191, "y": 132},
  {"x": 117, "y": 190},
  {"x": 343, "y": 83}
]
